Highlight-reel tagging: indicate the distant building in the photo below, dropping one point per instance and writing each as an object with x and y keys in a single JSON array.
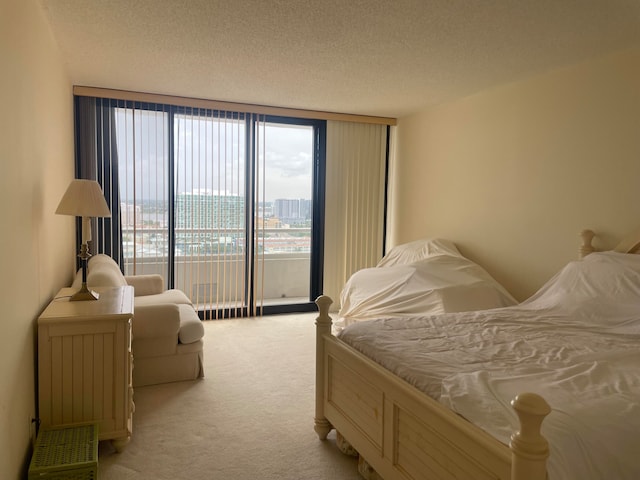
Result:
[
  {"x": 286, "y": 208},
  {"x": 131, "y": 215},
  {"x": 206, "y": 210},
  {"x": 305, "y": 209},
  {"x": 292, "y": 210},
  {"x": 265, "y": 209}
]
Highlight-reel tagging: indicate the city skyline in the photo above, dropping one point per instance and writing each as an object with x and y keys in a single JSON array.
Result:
[{"x": 134, "y": 214}]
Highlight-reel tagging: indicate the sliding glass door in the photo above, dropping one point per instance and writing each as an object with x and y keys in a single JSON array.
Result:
[
  {"x": 286, "y": 151},
  {"x": 226, "y": 206}
]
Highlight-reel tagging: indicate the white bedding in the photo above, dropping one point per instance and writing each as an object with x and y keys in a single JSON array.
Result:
[
  {"x": 425, "y": 276},
  {"x": 576, "y": 342}
]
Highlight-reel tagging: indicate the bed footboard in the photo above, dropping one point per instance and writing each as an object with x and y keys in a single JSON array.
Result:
[{"x": 404, "y": 434}]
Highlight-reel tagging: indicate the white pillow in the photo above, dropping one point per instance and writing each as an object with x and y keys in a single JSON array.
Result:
[{"x": 418, "y": 250}]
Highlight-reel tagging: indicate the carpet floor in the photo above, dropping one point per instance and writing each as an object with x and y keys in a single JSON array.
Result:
[{"x": 251, "y": 417}]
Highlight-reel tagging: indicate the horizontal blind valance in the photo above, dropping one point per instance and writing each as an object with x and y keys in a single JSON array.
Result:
[{"x": 227, "y": 106}]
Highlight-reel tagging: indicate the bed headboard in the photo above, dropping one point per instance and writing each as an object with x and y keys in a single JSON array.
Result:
[{"x": 629, "y": 244}]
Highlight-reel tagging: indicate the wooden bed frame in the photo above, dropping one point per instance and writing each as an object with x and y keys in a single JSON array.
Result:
[{"x": 402, "y": 434}]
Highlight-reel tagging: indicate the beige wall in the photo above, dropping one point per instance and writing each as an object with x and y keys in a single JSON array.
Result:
[
  {"x": 36, "y": 246},
  {"x": 515, "y": 173}
]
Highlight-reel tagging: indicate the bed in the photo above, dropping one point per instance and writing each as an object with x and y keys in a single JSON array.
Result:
[
  {"x": 588, "y": 326},
  {"x": 419, "y": 277}
]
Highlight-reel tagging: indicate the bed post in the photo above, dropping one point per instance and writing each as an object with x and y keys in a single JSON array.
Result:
[
  {"x": 586, "y": 248},
  {"x": 323, "y": 327},
  {"x": 529, "y": 449}
]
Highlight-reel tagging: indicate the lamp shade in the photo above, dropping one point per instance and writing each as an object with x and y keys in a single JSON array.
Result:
[{"x": 83, "y": 198}]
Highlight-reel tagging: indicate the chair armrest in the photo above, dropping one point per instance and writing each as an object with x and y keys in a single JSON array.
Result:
[
  {"x": 152, "y": 321},
  {"x": 149, "y": 284}
]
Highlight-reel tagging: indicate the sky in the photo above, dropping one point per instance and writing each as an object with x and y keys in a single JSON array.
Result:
[{"x": 286, "y": 155}]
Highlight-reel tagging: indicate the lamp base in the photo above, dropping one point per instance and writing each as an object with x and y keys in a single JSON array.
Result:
[{"x": 84, "y": 294}]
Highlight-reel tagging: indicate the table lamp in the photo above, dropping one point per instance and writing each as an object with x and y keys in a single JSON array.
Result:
[{"x": 84, "y": 198}]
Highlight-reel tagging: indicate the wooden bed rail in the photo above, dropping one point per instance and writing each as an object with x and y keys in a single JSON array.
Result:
[{"x": 529, "y": 449}]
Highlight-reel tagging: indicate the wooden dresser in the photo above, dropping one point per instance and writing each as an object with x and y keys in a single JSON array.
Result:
[{"x": 85, "y": 363}]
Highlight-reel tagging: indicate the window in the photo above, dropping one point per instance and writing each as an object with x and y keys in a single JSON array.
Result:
[
  {"x": 230, "y": 206},
  {"x": 222, "y": 204}
]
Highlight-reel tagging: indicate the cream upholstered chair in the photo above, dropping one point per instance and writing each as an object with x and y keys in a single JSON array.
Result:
[{"x": 167, "y": 334}]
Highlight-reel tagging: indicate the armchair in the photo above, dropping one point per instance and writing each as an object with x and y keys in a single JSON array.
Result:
[{"x": 167, "y": 334}]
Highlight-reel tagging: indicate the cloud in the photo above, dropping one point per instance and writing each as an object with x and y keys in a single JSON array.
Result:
[{"x": 200, "y": 143}]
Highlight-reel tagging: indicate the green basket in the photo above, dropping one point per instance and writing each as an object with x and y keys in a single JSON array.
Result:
[{"x": 65, "y": 453}]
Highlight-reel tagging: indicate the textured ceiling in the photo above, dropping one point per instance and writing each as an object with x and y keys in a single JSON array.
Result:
[{"x": 372, "y": 57}]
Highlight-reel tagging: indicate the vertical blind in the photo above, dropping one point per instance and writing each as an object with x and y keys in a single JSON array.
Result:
[
  {"x": 211, "y": 187},
  {"x": 177, "y": 182},
  {"x": 355, "y": 201},
  {"x": 180, "y": 178}
]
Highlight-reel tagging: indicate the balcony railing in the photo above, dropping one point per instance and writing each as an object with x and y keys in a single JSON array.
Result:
[{"x": 211, "y": 268}]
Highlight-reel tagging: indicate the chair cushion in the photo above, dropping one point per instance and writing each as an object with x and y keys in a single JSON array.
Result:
[
  {"x": 191, "y": 328},
  {"x": 152, "y": 321},
  {"x": 168, "y": 296},
  {"x": 146, "y": 283}
]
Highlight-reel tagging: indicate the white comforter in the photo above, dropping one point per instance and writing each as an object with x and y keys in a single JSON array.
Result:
[{"x": 576, "y": 343}]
